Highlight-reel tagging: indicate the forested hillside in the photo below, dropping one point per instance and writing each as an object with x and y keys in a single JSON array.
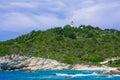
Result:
[{"x": 83, "y": 44}]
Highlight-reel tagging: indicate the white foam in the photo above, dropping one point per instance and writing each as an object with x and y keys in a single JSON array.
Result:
[
  {"x": 75, "y": 75},
  {"x": 116, "y": 75}
]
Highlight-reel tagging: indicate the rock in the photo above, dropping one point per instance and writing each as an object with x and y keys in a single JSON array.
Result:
[
  {"x": 113, "y": 72},
  {"x": 14, "y": 61},
  {"x": 118, "y": 69}
]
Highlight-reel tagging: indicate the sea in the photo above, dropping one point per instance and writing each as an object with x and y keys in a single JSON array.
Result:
[{"x": 56, "y": 75}]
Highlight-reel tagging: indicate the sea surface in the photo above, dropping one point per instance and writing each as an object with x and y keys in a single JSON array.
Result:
[{"x": 55, "y": 75}]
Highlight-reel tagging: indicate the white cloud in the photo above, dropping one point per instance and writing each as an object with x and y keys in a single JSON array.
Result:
[
  {"x": 48, "y": 20},
  {"x": 20, "y": 22},
  {"x": 100, "y": 14},
  {"x": 16, "y": 22},
  {"x": 24, "y": 4},
  {"x": 13, "y": 5},
  {"x": 28, "y": 14}
]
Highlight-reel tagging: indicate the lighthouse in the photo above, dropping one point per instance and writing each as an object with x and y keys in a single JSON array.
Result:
[{"x": 72, "y": 24}]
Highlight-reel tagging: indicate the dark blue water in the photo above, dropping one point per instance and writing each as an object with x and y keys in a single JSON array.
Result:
[{"x": 55, "y": 75}]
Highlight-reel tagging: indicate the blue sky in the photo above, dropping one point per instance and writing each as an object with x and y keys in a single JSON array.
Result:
[{"x": 21, "y": 16}]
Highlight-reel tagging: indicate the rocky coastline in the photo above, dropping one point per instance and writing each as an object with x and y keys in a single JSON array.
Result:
[
  {"x": 17, "y": 62},
  {"x": 12, "y": 62}
]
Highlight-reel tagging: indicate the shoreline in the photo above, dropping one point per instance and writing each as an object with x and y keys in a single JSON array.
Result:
[
  {"x": 92, "y": 67},
  {"x": 13, "y": 62}
]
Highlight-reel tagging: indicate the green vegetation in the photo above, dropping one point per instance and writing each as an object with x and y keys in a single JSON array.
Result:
[
  {"x": 83, "y": 44},
  {"x": 115, "y": 63}
]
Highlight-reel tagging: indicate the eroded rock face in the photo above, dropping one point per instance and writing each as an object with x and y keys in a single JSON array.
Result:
[
  {"x": 30, "y": 63},
  {"x": 113, "y": 72}
]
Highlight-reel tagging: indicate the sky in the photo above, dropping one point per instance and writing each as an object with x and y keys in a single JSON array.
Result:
[{"x": 22, "y": 16}]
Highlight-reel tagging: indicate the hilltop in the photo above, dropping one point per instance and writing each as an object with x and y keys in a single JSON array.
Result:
[{"x": 83, "y": 44}]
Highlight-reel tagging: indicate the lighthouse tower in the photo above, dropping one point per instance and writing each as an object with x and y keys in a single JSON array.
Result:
[{"x": 72, "y": 24}]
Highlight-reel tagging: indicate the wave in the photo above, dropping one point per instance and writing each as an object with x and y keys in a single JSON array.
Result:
[
  {"x": 75, "y": 75},
  {"x": 116, "y": 75}
]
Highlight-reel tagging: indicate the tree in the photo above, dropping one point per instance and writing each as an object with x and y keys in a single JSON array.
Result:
[{"x": 69, "y": 32}]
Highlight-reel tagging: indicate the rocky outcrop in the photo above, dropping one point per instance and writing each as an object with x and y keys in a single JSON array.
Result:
[
  {"x": 13, "y": 62},
  {"x": 113, "y": 72}
]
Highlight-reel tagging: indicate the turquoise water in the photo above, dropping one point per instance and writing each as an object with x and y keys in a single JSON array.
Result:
[{"x": 55, "y": 75}]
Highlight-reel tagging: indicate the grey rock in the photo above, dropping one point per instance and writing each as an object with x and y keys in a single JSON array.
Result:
[{"x": 14, "y": 61}]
